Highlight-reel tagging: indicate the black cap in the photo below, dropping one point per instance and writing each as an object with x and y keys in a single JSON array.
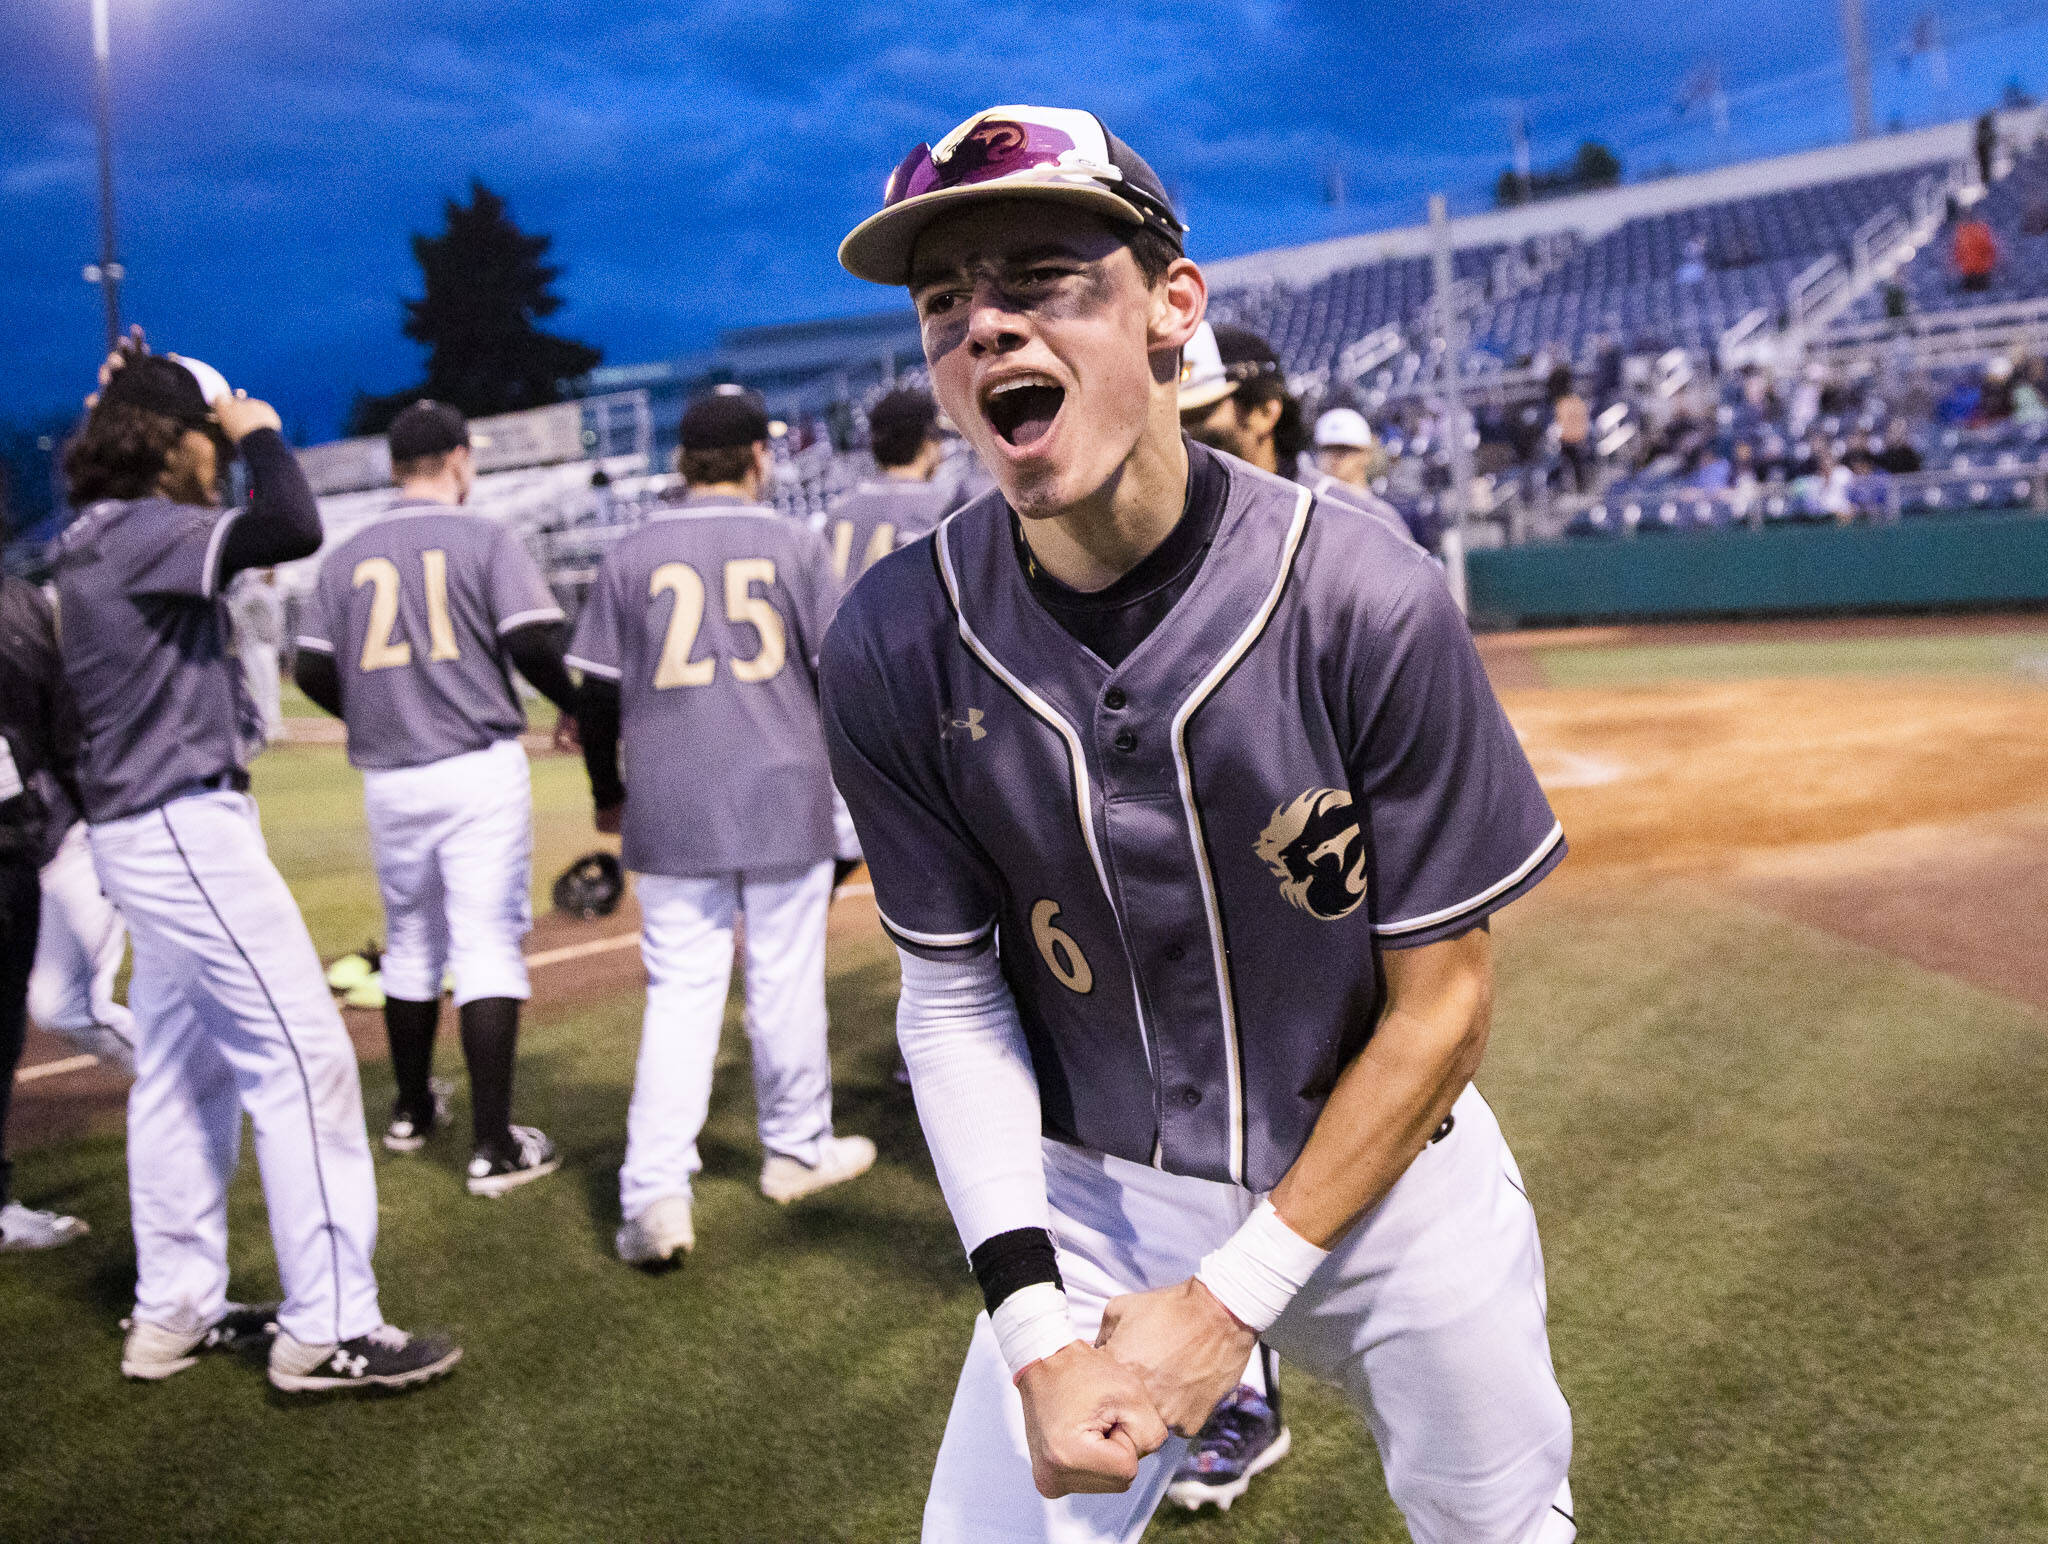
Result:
[
  {"x": 1245, "y": 353},
  {"x": 722, "y": 418},
  {"x": 159, "y": 384},
  {"x": 427, "y": 428},
  {"x": 900, "y": 423}
]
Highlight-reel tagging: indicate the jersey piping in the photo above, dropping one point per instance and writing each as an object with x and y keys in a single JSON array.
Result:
[
  {"x": 1226, "y": 997},
  {"x": 209, "y": 579},
  {"x": 1084, "y": 801},
  {"x": 592, "y": 667},
  {"x": 520, "y": 619},
  {"x": 936, "y": 940},
  {"x": 1450, "y": 913}
]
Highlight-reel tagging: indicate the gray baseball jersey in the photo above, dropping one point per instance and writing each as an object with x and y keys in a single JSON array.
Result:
[
  {"x": 1328, "y": 488},
  {"x": 1191, "y": 861},
  {"x": 414, "y": 608},
  {"x": 709, "y": 618},
  {"x": 149, "y": 653},
  {"x": 878, "y": 516}
]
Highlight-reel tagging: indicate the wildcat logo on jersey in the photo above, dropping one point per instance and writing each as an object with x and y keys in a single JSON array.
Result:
[{"x": 1315, "y": 849}]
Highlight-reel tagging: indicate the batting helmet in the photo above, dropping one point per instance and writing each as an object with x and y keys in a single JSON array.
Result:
[{"x": 591, "y": 887}]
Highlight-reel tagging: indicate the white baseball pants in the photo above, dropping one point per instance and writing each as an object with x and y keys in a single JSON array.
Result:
[
  {"x": 233, "y": 1013},
  {"x": 1429, "y": 1314},
  {"x": 453, "y": 845},
  {"x": 686, "y": 940},
  {"x": 845, "y": 840},
  {"x": 79, "y": 949}
]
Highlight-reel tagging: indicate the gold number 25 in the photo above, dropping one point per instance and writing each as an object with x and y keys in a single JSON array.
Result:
[{"x": 675, "y": 667}]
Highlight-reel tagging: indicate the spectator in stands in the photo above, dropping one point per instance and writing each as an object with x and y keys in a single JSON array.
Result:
[
  {"x": 1994, "y": 401},
  {"x": 1743, "y": 481},
  {"x": 1692, "y": 268},
  {"x": 1974, "y": 253},
  {"x": 1344, "y": 446},
  {"x": 2030, "y": 394},
  {"x": 1573, "y": 421}
]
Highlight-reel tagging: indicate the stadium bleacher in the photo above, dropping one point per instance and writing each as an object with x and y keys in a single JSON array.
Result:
[{"x": 2016, "y": 208}]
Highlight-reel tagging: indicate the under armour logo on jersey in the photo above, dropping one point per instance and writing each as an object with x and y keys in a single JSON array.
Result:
[
  {"x": 951, "y": 728},
  {"x": 350, "y": 1366},
  {"x": 1316, "y": 851}
]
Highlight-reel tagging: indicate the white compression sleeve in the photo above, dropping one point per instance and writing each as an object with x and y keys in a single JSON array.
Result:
[{"x": 977, "y": 1096}]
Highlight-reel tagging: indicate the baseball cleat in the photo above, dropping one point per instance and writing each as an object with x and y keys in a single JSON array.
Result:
[
  {"x": 386, "y": 1358},
  {"x": 1242, "y": 1438},
  {"x": 785, "y": 1179},
  {"x": 23, "y": 1227},
  {"x": 406, "y": 1133},
  {"x": 153, "y": 1352},
  {"x": 532, "y": 1157},
  {"x": 658, "y": 1234}
]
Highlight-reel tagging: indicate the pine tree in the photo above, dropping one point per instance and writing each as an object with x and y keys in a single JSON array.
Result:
[{"x": 486, "y": 285}]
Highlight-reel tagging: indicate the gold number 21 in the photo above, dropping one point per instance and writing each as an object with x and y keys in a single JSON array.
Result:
[{"x": 380, "y": 652}]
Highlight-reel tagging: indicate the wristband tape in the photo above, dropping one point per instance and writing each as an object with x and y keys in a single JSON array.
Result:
[
  {"x": 1032, "y": 1324},
  {"x": 1009, "y": 1262},
  {"x": 1259, "y": 1268}
]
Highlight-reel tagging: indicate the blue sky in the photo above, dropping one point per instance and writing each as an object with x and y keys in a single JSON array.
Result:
[{"x": 697, "y": 160}]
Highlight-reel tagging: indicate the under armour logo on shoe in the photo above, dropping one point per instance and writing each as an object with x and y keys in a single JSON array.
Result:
[
  {"x": 951, "y": 728},
  {"x": 350, "y": 1366}
]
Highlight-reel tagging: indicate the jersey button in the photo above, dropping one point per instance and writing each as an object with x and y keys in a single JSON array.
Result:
[
  {"x": 1125, "y": 742},
  {"x": 1114, "y": 699},
  {"x": 1191, "y": 1096}
]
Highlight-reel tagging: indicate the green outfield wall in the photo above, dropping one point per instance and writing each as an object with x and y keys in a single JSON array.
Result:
[{"x": 1956, "y": 561}]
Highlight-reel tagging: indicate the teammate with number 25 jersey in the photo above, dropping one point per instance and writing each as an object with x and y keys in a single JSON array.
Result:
[
  {"x": 699, "y": 644},
  {"x": 411, "y": 635}
]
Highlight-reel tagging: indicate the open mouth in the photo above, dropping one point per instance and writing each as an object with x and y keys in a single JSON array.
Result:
[{"x": 1022, "y": 409}]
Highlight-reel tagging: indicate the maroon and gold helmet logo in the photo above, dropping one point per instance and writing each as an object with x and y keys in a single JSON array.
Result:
[{"x": 1316, "y": 851}]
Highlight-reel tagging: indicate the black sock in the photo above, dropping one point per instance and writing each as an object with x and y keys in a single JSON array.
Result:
[
  {"x": 1270, "y": 1364},
  {"x": 490, "y": 1036},
  {"x": 411, "y": 1027}
]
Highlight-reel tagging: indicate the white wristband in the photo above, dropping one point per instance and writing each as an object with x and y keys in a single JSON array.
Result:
[
  {"x": 1259, "y": 1268},
  {"x": 1032, "y": 1323}
]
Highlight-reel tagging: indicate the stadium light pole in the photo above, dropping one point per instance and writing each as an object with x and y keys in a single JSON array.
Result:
[
  {"x": 1857, "y": 46},
  {"x": 107, "y": 272},
  {"x": 1449, "y": 370}
]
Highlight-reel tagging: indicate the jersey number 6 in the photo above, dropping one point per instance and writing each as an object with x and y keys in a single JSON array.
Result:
[
  {"x": 1062, "y": 955},
  {"x": 675, "y": 667},
  {"x": 379, "y": 652}
]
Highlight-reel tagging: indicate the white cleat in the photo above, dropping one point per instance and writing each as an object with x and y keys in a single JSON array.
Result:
[
  {"x": 153, "y": 1352},
  {"x": 785, "y": 1179},
  {"x": 659, "y": 1233},
  {"x": 23, "y": 1227}
]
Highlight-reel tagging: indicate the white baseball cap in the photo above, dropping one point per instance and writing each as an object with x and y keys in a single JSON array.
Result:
[
  {"x": 1203, "y": 379},
  {"x": 1343, "y": 428}
]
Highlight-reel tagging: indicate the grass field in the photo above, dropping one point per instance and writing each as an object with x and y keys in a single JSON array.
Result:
[{"x": 1792, "y": 1190}]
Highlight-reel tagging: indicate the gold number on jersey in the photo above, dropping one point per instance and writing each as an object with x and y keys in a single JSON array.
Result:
[
  {"x": 675, "y": 667},
  {"x": 1062, "y": 955},
  {"x": 379, "y": 652},
  {"x": 880, "y": 545},
  {"x": 743, "y": 605},
  {"x": 440, "y": 626}
]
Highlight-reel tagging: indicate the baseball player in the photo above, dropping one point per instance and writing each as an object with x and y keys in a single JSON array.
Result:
[
  {"x": 410, "y": 636},
  {"x": 1234, "y": 398},
  {"x": 231, "y": 1009},
  {"x": 893, "y": 509},
  {"x": 881, "y": 514},
  {"x": 38, "y": 744},
  {"x": 1186, "y": 801},
  {"x": 79, "y": 946},
  {"x": 257, "y": 612},
  {"x": 1345, "y": 448},
  {"x": 699, "y": 646}
]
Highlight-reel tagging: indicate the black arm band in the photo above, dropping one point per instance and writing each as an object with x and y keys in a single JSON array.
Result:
[{"x": 1011, "y": 1261}]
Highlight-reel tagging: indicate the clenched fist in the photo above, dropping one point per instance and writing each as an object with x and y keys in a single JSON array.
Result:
[{"x": 1087, "y": 1420}]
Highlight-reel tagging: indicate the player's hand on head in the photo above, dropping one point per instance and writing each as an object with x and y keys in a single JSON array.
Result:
[
  {"x": 1087, "y": 1422},
  {"x": 132, "y": 346},
  {"x": 608, "y": 819},
  {"x": 240, "y": 416},
  {"x": 1185, "y": 1346}
]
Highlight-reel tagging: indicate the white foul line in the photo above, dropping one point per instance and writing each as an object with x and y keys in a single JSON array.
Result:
[{"x": 582, "y": 951}]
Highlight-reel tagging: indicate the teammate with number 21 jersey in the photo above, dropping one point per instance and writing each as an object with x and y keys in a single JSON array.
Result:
[{"x": 699, "y": 648}]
